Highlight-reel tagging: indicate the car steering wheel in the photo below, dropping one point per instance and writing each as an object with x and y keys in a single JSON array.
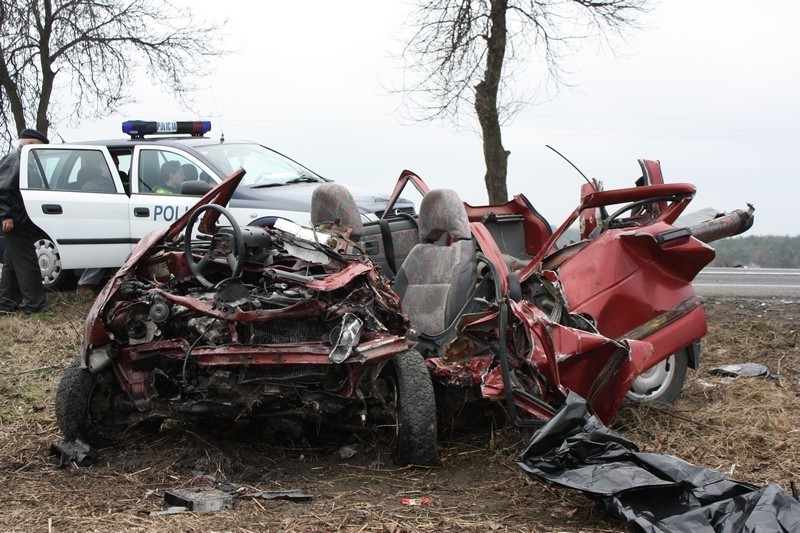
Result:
[
  {"x": 232, "y": 255},
  {"x": 633, "y": 206}
]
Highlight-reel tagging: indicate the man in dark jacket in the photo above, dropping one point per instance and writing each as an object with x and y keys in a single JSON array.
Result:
[{"x": 21, "y": 283}]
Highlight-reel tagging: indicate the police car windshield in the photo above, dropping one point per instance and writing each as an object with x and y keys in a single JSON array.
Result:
[{"x": 265, "y": 168}]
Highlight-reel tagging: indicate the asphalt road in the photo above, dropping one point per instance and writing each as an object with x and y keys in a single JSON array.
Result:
[{"x": 749, "y": 282}]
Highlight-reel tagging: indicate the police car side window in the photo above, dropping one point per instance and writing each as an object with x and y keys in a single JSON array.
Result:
[
  {"x": 59, "y": 169},
  {"x": 163, "y": 172},
  {"x": 36, "y": 173}
]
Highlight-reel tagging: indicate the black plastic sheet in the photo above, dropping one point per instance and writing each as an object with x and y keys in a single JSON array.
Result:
[{"x": 653, "y": 491}]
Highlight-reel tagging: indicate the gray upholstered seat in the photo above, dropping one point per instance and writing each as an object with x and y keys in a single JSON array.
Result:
[
  {"x": 437, "y": 277},
  {"x": 90, "y": 180}
]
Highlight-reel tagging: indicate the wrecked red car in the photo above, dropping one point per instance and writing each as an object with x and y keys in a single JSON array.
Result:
[
  {"x": 502, "y": 312},
  {"x": 290, "y": 327},
  {"x": 299, "y": 329}
]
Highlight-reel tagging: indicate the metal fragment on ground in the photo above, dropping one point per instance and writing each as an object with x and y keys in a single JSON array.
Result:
[
  {"x": 74, "y": 452},
  {"x": 293, "y": 494},
  {"x": 348, "y": 451},
  {"x": 169, "y": 510},
  {"x": 747, "y": 370},
  {"x": 199, "y": 500}
]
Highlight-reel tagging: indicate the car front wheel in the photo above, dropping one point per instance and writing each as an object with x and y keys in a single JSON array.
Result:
[
  {"x": 661, "y": 384},
  {"x": 90, "y": 407},
  {"x": 407, "y": 393}
]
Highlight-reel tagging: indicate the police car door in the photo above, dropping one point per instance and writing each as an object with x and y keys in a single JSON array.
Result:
[
  {"x": 74, "y": 194},
  {"x": 156, "y": 203}
]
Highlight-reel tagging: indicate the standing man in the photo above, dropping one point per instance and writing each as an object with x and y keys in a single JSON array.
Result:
[{"x": 21, "y": 283}]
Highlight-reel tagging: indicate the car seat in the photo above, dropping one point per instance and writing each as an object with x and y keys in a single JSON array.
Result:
[
  {"x": 90, "y": 180},
  {"x": 86, "y": 179},
  {"x": 333, "y": 204},
  {"x": 437, "y": 278},
  {"x": 189, "y": 172}
]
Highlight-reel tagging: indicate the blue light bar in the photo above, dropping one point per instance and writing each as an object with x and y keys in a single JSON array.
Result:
[{"x": 140, "y": 128}]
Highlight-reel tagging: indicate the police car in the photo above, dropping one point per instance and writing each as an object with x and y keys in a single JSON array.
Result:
[{"x": 93, "y": 201}]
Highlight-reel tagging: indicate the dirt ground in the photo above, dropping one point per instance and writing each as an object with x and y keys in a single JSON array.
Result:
[{"x": 748, "y": 428}]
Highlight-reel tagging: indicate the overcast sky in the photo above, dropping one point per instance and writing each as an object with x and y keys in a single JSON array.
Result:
[{"x": 710, "y": 89}]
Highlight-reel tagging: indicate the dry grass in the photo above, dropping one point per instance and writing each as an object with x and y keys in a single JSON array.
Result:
[
  {"x": 750, "y": 427},
  {"x": 746, "y": 427}
]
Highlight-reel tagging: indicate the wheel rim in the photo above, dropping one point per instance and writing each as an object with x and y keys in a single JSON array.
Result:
[
  {"x": 49, "y": 260},
  {"x": 389, "y": 397},
  {"x": 653, "y": 382},
  {"x": 108, "y": 411}
]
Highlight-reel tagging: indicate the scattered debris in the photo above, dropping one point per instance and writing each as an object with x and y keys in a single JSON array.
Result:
[
  {"x": 748, "y": 370},
  {"x": 350, "y": 450},
  {"x": 415, "y": 501},
  {"x": 169, "y": 510},
  {"x": 651, "y": 491},
  {"x": 292, "y": 495},
  {"x": 273, "y": 474},
  {"x": 200, "y": 499},
  {"x": 74, "y": 452},
  {"x": 706, "y": 384},
  {"x": 206, "y": 493}
]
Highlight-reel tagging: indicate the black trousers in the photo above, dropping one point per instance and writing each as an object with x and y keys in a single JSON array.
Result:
[{"x": 21, "y": 282}]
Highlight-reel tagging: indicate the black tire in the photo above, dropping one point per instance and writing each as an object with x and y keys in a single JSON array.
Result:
[
  {"x": 416, "y": 437},
  {"x": 663, "y": 383},
  {"x": 85, "y": 405}
]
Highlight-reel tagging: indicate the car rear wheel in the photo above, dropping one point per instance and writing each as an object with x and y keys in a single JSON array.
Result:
[
  {"x": 90, "y": 406},
  {"x": 663, "y": 383},
  {"x": 53, "y": 276},
  {"x": 407, "y": 392}
]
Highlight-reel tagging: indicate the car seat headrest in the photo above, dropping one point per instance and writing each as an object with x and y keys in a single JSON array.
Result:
[
  {"x": 442, "y": 211},
  {"x": 332, "y": 203}
]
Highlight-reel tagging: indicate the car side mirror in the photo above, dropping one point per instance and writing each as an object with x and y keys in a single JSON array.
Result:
[{"x": 195, "y": 188}]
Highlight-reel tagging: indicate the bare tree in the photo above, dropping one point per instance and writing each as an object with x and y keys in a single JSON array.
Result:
[
  {"x": 460, "y": 50},
  {"x": 75, "y": 59}
]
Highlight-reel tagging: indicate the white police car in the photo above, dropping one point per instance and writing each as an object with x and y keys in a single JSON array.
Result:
[{"x": 94, "y": 200}]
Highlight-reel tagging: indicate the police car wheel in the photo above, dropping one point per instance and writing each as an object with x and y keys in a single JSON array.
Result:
[{"x": 53, "y": 276}]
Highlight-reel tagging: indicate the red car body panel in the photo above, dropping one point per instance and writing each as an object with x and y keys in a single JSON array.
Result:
[{"x": 629, "y": 279}]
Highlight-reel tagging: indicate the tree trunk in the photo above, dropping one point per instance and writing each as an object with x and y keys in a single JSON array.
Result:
[
  {"x": 48, "y": 79},
  {"x": 45, "y": 28},
  {"x": 11, "y": 90},
  {"x": 494, "y": 155},
  {"x": 9, "y": 85}
]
